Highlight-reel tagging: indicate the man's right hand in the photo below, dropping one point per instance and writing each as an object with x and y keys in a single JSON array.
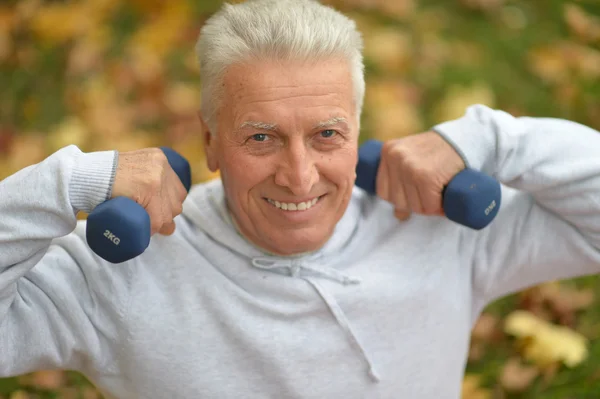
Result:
[{"x": 146, "y": 177}]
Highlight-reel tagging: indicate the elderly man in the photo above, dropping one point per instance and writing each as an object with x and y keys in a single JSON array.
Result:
[{"x": 282, "y": 279}]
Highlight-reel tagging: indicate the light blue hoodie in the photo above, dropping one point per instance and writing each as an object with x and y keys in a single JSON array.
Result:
[{"x": 384, "y": 310}]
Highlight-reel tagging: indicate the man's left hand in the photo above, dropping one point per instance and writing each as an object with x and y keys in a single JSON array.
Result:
[{"x": 413, "y": 172}]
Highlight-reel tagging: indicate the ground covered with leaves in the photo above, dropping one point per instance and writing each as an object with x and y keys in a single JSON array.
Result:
[{"x": 118, "y": 74}]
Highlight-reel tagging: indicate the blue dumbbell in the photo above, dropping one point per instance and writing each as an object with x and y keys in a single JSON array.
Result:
[
  {"x": 471, "y": 198},
  {"x": 119, "y": 229}
]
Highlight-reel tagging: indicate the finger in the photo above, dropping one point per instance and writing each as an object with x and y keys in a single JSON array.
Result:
[
  {"x": 399, "y": 199},
  {"x": 402, "y": 215},
  {"x": 175, "y": 201},
  {"x": 179, "y": 189},
  {"x": 382, "y": 185},
  {"x": 413, "y": 198},
  {"x": 167, "y": 229},
  {"x": 431, "y": 199}
]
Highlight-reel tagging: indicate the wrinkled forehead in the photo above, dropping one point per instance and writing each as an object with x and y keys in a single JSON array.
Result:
[{"x": 322, "y": 91}]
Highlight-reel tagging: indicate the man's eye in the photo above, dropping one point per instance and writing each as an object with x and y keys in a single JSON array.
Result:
[
  {"x": 259, "y": 137},
  {"x": 328, "y": 133}
]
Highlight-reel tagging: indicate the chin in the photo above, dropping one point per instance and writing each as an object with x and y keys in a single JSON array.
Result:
[{"x": 292, "y": 243}]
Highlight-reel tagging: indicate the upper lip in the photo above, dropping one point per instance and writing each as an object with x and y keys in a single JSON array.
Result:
[{"x": 295, "y": 200}]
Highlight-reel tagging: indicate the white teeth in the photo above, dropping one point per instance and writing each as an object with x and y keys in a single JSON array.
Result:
[{"x": 290, "y": 206}]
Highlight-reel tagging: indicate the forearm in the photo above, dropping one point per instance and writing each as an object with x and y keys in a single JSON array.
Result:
[
  {"x": 550, "y": 227},
  {"x": 40, "y": 203},
  {"x": 556, "y": 161}
]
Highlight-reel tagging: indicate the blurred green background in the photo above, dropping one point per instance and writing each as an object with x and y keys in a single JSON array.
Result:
[{"x": 118, "y": 74}]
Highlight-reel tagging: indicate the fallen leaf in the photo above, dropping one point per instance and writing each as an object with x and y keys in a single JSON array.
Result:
[
  {"x": 585, "y": 26},
  {"x": 483, "y": 5},
  {"x": 544, "y": 343},
  {"x": 70, "y": 131},
  {"x": 19, "y": 394},
  {"x": 48, "y": 379},
  {"x": 549, "y": 64},
  {"x": 471, "y": 388},
  {"x": 517, "y": 377},
  {"x": 389, "y": 48},
  {"x": 458, "y": 98},
  {"x": 182, "y": 98},
  {"x": 485, "y": 327}
]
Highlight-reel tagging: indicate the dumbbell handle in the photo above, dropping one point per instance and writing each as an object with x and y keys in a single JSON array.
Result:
[
  {"x": 119, "y": 229},
  {"x": 471, "y": 198}
]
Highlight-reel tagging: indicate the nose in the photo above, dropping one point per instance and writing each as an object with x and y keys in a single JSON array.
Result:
[{"x": 297, "y": 170}]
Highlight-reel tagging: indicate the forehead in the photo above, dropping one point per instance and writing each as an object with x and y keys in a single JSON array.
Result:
[{"x": 280, "y": 87}]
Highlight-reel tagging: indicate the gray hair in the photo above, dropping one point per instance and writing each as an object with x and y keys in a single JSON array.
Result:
[{"x": 302, "y": 30}]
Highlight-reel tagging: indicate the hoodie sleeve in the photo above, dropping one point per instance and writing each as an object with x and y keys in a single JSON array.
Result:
[
  {"x": 53, "y": 290},
  {"x": 548, "y": 226}
]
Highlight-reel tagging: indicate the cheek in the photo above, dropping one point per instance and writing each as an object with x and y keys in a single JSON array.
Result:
[
  {"x": 243, "y": 173},
  {"x": 339, "y": 169}
]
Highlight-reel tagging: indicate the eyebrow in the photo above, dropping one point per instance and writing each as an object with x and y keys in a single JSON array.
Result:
[
  {"x": 273, "y": 127},
  {"x": 259, "y": 125},
  {"x": 330, "y": 122}
]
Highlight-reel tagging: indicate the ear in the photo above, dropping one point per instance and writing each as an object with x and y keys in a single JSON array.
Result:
[{"x": 210, "y": 145}]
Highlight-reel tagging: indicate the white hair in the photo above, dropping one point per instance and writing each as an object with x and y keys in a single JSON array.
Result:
[{"x": 302, "y": 30}]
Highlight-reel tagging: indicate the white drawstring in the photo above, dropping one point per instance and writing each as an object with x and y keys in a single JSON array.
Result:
[{"x": 295, "y": 268}]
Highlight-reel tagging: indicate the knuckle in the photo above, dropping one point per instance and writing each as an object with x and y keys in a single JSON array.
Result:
[
  {"x": 156, "y": 224},
  {"x": 177, "y": 209}
]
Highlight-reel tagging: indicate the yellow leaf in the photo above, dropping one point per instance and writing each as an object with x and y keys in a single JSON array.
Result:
[
  {"x": 70, "y": 131},
  {"x": 160, "y": 34},
  {"x": 389, "y": 48},
  {"x": 549, "y": 64},
  {"x": 544, "y": 343},
  {"x": 27, "y": 149},
  {"x": 19, "y": 395},
  {"x": 182, "y": 98},
  {"x": 454, "y": 104},
  {"x": 58, "y": 22},
  {"x": 471, "y": 388}
]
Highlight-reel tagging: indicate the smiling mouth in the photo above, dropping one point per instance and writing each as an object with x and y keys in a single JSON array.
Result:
[{"x": 294, "y": 206}]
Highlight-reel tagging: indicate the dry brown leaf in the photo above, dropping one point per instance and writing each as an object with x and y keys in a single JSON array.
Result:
[
  {"x": 585, "y": 26},
  {"x": 401, "y": 9},
  {"x": 549, "y": 64},
  {"x": 87, "y": 52},
  {"x": 485, "y": 328},
  {"x": 483, "y": 5},
  {"x": 476, "y": 351},
  {"x": 68, "y": 392},
  {"x": 48, "y": 379},
  {"x": 90, "y": 393},
  {"x": 517, "y": 377}
]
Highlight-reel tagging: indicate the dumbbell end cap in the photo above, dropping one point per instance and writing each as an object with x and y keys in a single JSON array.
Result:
[{"x": 118, "y": 230}]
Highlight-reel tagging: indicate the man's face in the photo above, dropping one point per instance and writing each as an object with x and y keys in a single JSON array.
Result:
[{"x": 286, "y": 148}]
